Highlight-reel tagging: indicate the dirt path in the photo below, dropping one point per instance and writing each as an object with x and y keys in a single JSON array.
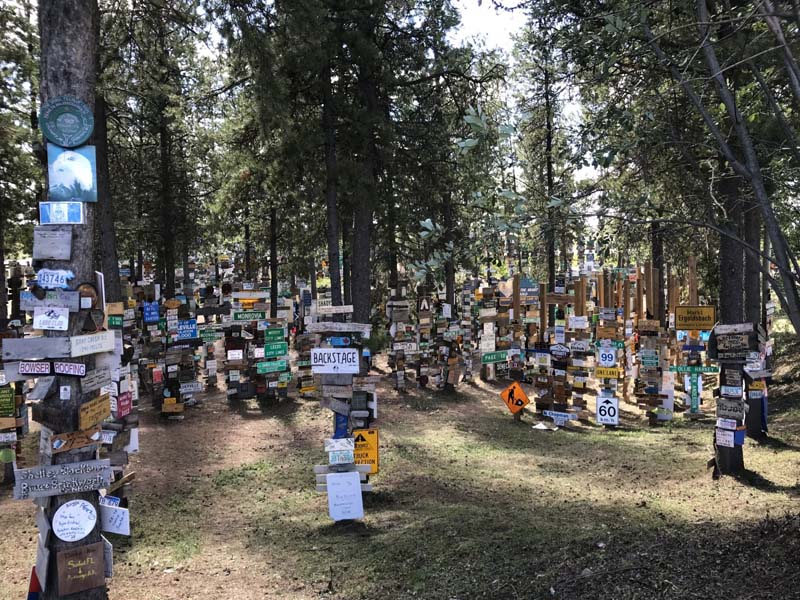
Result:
[{"x": 469, "y": 504}]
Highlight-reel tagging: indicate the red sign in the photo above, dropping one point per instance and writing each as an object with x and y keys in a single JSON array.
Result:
[{"x": 124, "y": 404}]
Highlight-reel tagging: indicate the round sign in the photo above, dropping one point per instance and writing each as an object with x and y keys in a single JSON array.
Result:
[
  {"x": 66, "y": 121},
  {"x": 74, "y": 520},
  {"x": 6, "y": 455}
]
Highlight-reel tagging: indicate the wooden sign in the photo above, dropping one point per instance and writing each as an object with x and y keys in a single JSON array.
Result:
[
  {"x": 335, "y": 310},
  {"x": 69, "y": 368},
  {"x": 736, "y": 341},
  {"x": 34, "y": 369},
  {"x": 73, "y": 440},
  {"x": 96, "y": 379},
  {"x": 734, "y": 328},
  {"x": 337, "y": 406},
  {"x": 334, "y": 327},
  {"x": 94, "y": 412},
  {"x": 82, "y": 345},
  {"x": 53, "y": 242},
  {"x": 728, "y": 408},
  {"x": 69, "y": 478},
  {"x": 339, "y": 391},
  {"x": 689, "y": 318},
  {"x": 80, "y": 568},
  {"x": 35, "y": 348}
]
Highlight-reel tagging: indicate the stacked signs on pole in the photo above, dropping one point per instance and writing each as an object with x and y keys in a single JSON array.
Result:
[
  {"x": 404, "y": 342},
  {"x": 691, "y": 322},
  {"x": 351, "y": 397}
]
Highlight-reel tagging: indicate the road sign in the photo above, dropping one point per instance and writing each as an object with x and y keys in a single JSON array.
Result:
[
  {"x": 695, "y": 317},
  {"x": 276, "y": 349},
  {"x": 693, "y": 369},
  {"x": 606, "y": 372},
  {"x": 367, "y": 450},
  {"x": 607, "y": 357},
  {"x": 514, "y": 397},
  {"x": 608, "y": 410},
  {"x": 494, "y": 357}
]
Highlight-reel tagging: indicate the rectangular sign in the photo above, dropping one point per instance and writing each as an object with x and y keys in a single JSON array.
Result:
[
  {"x": 35, "y": 347},
  {"x": 273, "y": 366},
  {"x": 249, "y": 315},
  {"x": 335, "y": 360},
  {"x": 701, "y": 318},
  {"x": 94, "y": 412},
  {"x": 33, "y": 368},
  {"x": 730, "y": 409},
  {"x": 7, "y": 402},
  {"x": 724, "y": 437},
  {"x": 80, "y": 568},
  {"x": 69, "y": 368},
  {"x": 52, "y": 243},
  {"x": 96, "y": 379},
  {"x": 61, "y": 213},
  {"x": 273, "y": 334},
  {"x": 275, "y": 349},
  {"x": 606, "y": 372},
  {"x": 187, "y": 329},
  {"x": 334, "y": 444},
  {"x": 63, "y": 442},
  {"x": 69, "y": 478},
  {"x": 494, "y": 357},
  {"x": 51, "y": 318},
  {"x": 335, "y": 310},
  {"x": 58, "y": 298},
  {"x": 367, "y": 448},
  {"x": 94, "y": 343},
  {"x": 150, "y": 312},
  {"x": 693, "y": 369}
]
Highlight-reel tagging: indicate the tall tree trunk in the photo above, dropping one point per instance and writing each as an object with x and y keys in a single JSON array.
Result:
[
  {"x": 69, "y": 36},
  {"x": 731, "y": 255},
  {"x": 3, "y": 289},
  {"x": 139, "y": 265},
  {"x": 347, "y": 245},
  {"x": 273, "y": 262},
  {"x": 313, "y": 279},
  {"x": 187, "y": 283},
  {"x": 657, "y": 249},
  {"x": 752, "y": 269},
  {"x": 107, "y": 235},
  {"x": 248, "y": 252},
  {"x": 449, "y": 265},
  {"x": 331, "y": 181},
  {"x": 765, "y": 285},
  {"x": 551, "y": 212}
]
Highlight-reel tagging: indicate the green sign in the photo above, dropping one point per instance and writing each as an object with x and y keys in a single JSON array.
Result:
[
  {"x": 614, "y": 343},
  {"x": 275, "y": 349},
  {"x": 494, "y": 357},
  {"x": 249, "y": 315},
  {"x": 66, "y": 121},
  {"x": 285, "y": 376},
  {"x": 274, "y": 366},
  {"x": 115, "y": 321},
  {"x": 694, "y": 394},
  {"x": 303, "y": 363},
  {"x": 694, "y": 369},
  {"x": 209, "y": 335},
  {"x": 6, "y": 455},
  {"x": 7, "y": 402},
  {"x": 273, "y": 334}
]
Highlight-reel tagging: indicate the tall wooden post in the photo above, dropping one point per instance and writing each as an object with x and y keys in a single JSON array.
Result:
[
  {"x": 601, "y": 288},
  {"x": 515, "y": 299},
  {"x": 69, "y": 32},
  {"x": 542, "y": 310},
  {"x": 648, "y": 282}
]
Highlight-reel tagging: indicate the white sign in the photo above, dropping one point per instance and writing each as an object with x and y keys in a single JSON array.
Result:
[
  {"x": 405, "y": 346},
  {"x": 335, "y": 310},
  {"x": 608, "y": 410},
  {"x": 334, "y": 444},
  {"x": 115, "y": 520},
  {"x": 725, "y": 438},
  {"x": 447, "y": 311},
  {"x": 344, "y": 496},
  {"x": 235, "y": 354},
  {"x": 81, "y": 345},
  {"x": 335, "y": 360},
  {"x": 341, "y": 457},
  {"x": 54, "y": 278},
  {"x": 607, "y": 357},
  {"x": 726, "y": 424},
  {"x": 51, "y": 318},
  {"x": 74, "y": 520},
  {"x": 578, "y": 322}
]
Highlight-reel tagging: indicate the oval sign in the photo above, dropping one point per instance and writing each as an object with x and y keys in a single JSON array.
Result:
[
  {"x": 66, "y": 121},
  {"x": 6, "y": 455},
  {"x": 74, "y": 520}
]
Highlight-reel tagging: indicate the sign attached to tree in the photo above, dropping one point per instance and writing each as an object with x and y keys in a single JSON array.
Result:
[
  {"x": 689, "y": 318},
  {"x": 54, "y": 278},
  {"x": 66, "y": 121},
  {"x": 52, "y": 243},
  {"x": 61, "y": 213}
]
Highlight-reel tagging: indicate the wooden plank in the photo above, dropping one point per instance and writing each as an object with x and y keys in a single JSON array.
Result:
[
  {"x": 337, "y": 406},
  {"x": 94, "y": 343},
  {"x": 120, "y": 482},
  {"x": 52, "y": 480},
  {"x": 94, "y": 412},
  {"x": 335, "y": 327},
  {"x": 365, "y": 487},
  {"x": 36, "y": 348},
  {"x": 339, "y": 468},
  {"x": 57, "y": 298}
]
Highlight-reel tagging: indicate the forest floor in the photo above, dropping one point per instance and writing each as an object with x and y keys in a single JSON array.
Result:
[{"x": 468, "y": 504}]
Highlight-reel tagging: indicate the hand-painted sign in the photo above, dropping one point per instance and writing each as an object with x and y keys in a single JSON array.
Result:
[
  {"x": 57, "y": 298},
  {"x": 94, "y": 412},
  {"x": 72, "y": 440},
  {"x": 514, "y": 397},
  {"x": 335, "y": 360},
  {"x": 54, "y": 278},
  {"x": 74, "y": 520},
  {"x": 69, "y": 478},
  {"x": 80, "y": 568},
  {"x": 344, "y": 496},
  {"x": 340, "y": 457},
  {"x": 61, "y": 213},
  {"x": 115, "y": 519},
  {"x": 81, "y": 345},
  {"x": 51, "y": 319}
]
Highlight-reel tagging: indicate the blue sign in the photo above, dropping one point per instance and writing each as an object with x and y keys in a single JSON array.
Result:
[
  {"x": 126, "y": 272},
  {"x": 692, "y": 348},
  {"x": 150, "y": 312},
  {"x": 339, "y": 341},
  {"x": 187, "y": 329},
  {"x": 61, "y": 213},
  {"x": 306, "y": 298},
  {"x": 339, "y": 426}
]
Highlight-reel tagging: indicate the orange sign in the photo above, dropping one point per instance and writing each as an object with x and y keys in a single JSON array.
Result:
[{"x": 514, "y": 397}]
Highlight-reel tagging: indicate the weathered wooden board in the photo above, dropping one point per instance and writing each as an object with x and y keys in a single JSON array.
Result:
[
  {"x": 35, "y": 348},
  {"x": 66, "y": 298},
  {"x": 337, "y": 406},
  {"x": 94, "y": 412},
  {"x": 96, "y": 379},
  {"x": 334, "y": 327},
  {"x": 335, "y": 310},
  {"x": 42, "y": 387},
  {"x": 70, "y": 478},
  {"x": 52, "y": 242},
  {"x": 94, "y": 343},
  {"x": 80, "y": 568}
]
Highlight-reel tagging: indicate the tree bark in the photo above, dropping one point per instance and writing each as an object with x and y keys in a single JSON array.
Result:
[
  {"x": 752, "y": 270},
  {"x": 731, "y": 253},
  {"x": 657, "y": 249},
  {"x": 69, "y": 36},
  {"x": 551, "y": 212},
  {"x": 248, "y": 257},
  {"x": 347, "y": 244},
  {"x": 331, "y": 181},
  {"x": 3, "y": 288},
  {"x": 273, "y": 262},
  {"x": 106, "y": 232},
  {"x": 449, "y": 265}
]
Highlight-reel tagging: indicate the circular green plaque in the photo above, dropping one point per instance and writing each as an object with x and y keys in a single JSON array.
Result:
[
  {"x": 66, "y": 121},
  {"x": 6, "y": 455}
]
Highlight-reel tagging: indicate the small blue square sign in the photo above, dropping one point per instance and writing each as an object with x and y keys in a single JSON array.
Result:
[{"x": 61, "y": 213}]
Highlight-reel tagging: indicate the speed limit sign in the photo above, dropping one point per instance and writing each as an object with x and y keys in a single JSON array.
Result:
[
  {"x": 608, "y": 410},
  {"x": 607, "y": 357}
]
